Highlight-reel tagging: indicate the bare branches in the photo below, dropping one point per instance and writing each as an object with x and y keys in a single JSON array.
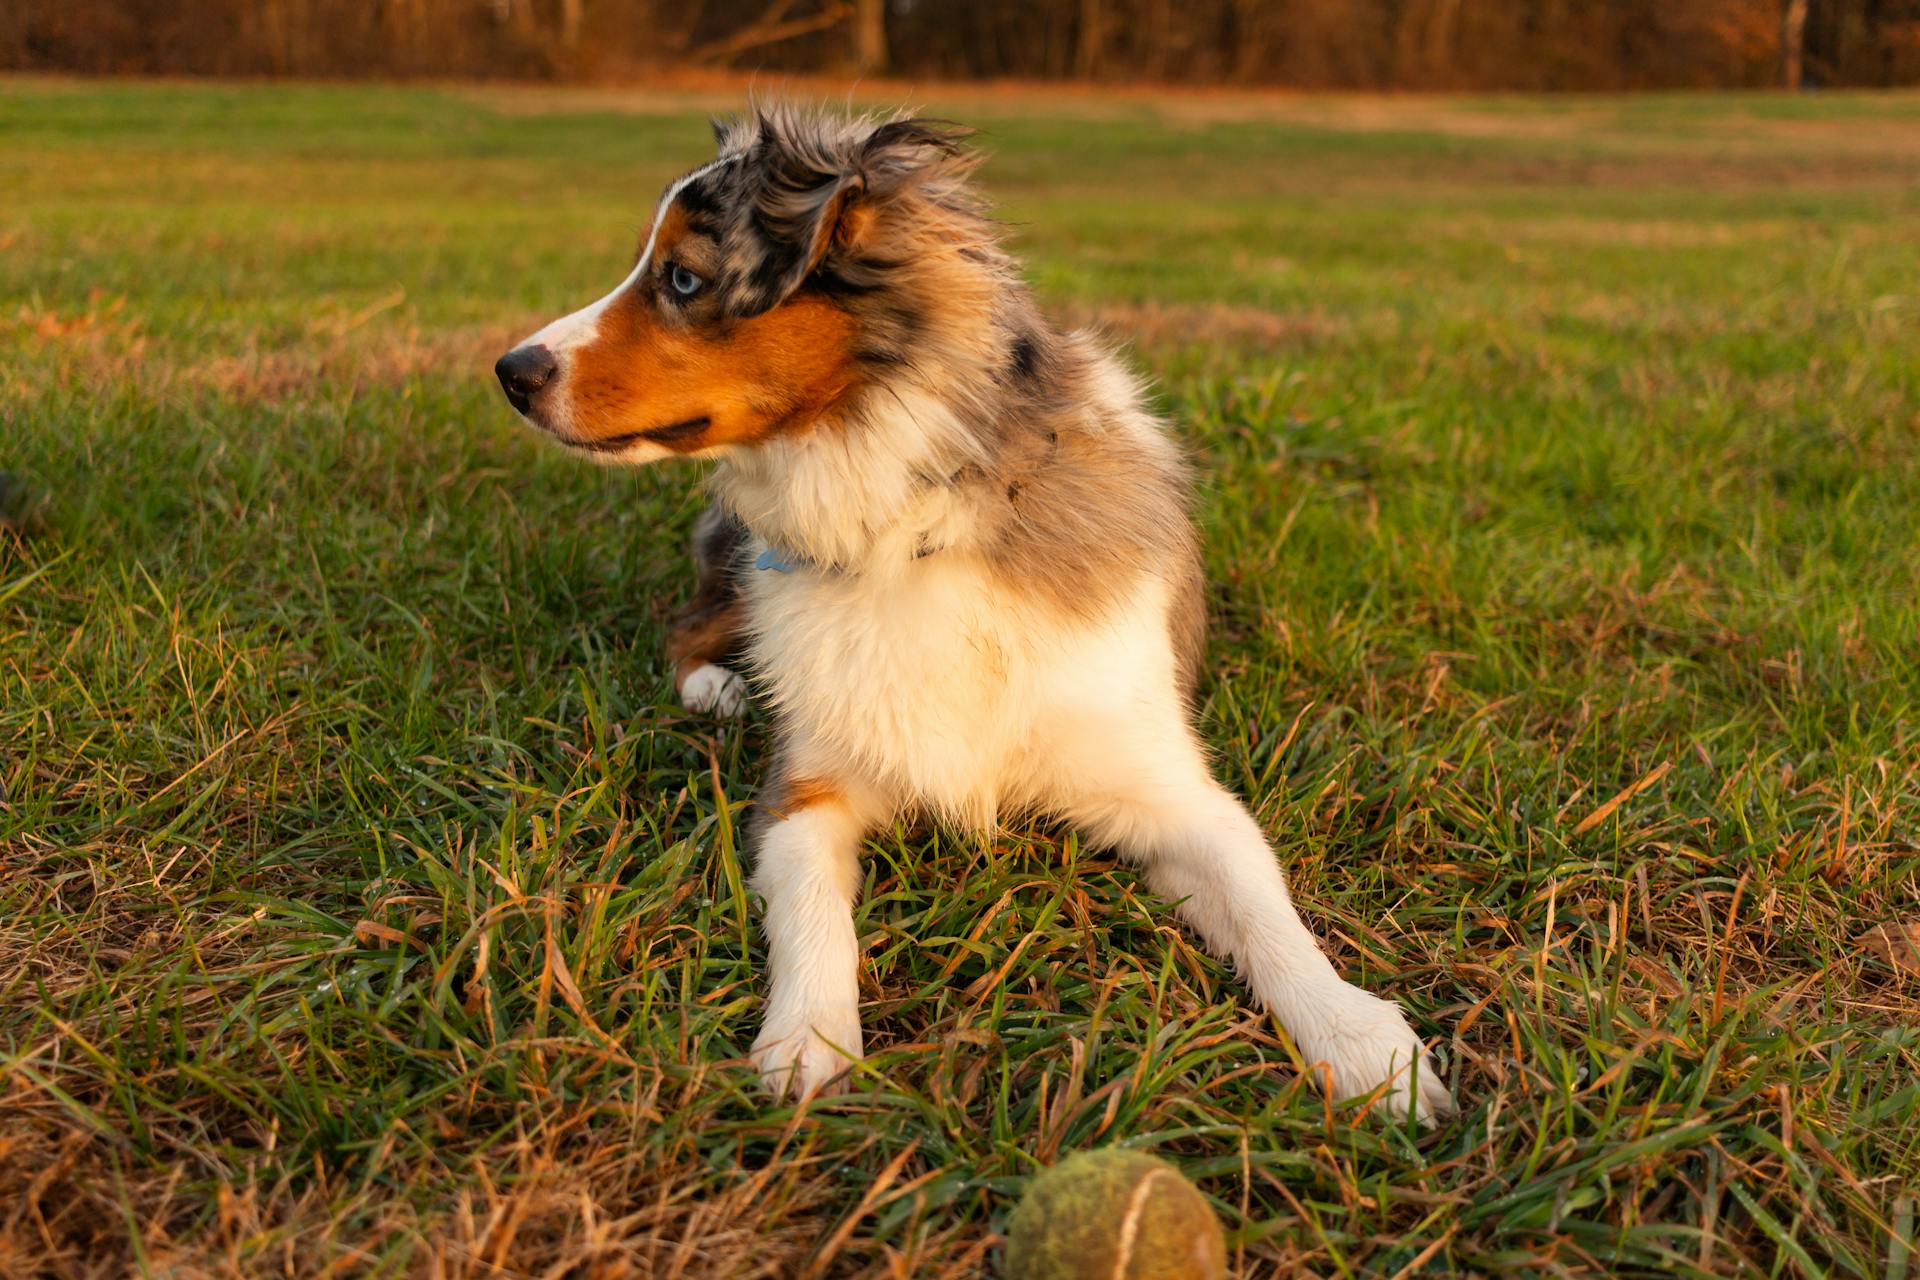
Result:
[{"x": 769, "y": 29}]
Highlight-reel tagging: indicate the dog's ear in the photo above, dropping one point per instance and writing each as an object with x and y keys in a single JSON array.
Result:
[
  {"x": 907, "y": 152},
  {"x": 816, "y": 196},
  {"x": 899, "y": 156},
  {"x": 798, "y": 192}
]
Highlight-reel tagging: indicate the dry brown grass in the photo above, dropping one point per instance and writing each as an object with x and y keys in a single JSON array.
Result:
[
  {"x": 1166, "y": 327},
  {"x": 98, "y": 349}
]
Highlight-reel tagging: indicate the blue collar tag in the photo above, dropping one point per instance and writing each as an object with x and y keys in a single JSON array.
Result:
[{"x": 771, "y": 559}]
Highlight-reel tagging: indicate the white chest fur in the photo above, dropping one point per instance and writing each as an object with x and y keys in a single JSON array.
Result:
[{"x": 948, "y": 691}]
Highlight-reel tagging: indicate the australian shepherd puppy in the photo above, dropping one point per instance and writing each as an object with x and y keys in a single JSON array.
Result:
[{"x": 951, "y": 549}]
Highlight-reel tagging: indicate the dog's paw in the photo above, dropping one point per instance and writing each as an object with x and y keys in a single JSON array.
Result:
[
  {"x": 804, "y": 1056},
  {"x": 1369, "y": 1050},
  {"x": 712, "y": 689}
]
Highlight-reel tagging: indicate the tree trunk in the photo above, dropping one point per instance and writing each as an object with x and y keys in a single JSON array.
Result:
[
  {"x": 570, "y": 17},
  {"x": 870, "y": 36},
  {"x": 1793, "y": 41},
  {"x": 1159, "y": 38},
  {"x": 1092, "y": 37},
  {"x": 1440, "y": 57}
]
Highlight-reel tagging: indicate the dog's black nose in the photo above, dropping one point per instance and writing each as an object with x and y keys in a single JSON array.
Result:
[{"x": 523, "y": 371}]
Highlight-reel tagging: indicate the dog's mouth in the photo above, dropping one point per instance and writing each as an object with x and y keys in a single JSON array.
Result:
[{"x": 672, "y": 433}]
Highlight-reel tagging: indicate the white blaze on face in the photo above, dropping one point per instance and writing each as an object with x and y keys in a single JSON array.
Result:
[
  {"x": 570, "y": 332},
  {"x": 580, "y": 328}
]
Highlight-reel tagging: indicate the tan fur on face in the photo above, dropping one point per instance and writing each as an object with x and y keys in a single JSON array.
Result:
[{"x": 653, "y": 374}]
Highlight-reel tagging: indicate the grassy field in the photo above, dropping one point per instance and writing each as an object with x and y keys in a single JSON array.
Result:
[{"x": 368, "y": 906}]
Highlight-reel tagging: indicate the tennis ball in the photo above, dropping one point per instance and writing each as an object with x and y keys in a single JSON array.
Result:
[{"x": 1115, "y": 1215}]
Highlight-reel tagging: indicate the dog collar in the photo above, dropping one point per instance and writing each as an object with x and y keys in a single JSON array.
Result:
[
  {"x": 771, "y": 559},
  {"x": 777, "y": 561}
]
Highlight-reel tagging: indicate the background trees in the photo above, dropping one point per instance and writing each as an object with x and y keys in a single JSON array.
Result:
[{"x": 1347, "y": 44}]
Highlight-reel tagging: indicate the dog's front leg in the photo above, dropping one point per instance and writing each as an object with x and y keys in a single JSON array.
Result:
[
  {"x": 1200, "y": 847},
  {"x": 808, "y": 871}
]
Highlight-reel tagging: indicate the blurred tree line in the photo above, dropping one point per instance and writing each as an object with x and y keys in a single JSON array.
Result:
[{"x": 1343, "y": 44}]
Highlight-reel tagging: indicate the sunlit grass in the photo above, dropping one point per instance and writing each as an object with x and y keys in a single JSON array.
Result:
[{"x": 366, "y": 902}]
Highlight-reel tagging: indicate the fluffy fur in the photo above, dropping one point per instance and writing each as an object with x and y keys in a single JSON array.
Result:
[{"x": 951, "y": 546}]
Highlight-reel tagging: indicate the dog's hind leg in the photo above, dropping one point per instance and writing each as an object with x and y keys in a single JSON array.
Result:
[
  {"x": 709, "y": 630},
  {"x": 1200, "y": 847},
  {"x": 807, "y": 868}
]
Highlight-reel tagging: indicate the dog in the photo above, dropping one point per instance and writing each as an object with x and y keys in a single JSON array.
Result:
[{"x": 951, "y": 548}]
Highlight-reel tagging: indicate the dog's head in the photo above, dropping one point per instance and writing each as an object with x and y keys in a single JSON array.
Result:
[{"x": 775, "y": 284}]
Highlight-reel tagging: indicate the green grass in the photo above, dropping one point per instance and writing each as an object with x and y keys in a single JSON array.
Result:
[{"x": 367, "y": 905}]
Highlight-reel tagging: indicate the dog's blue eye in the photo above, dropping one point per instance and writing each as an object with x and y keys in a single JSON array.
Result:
[{"x": 684, "y": 282}]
